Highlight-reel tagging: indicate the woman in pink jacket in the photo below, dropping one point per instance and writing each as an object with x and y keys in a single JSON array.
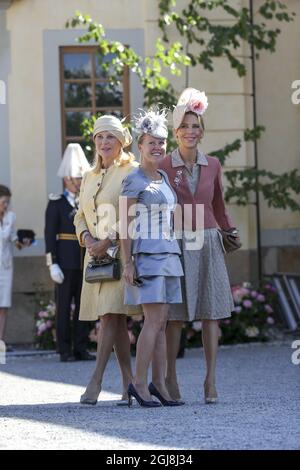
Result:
[{"x": 196, "y": 178}]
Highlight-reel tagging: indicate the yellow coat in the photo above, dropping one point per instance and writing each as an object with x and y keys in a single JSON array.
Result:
[{"x": 97, "y": 190}]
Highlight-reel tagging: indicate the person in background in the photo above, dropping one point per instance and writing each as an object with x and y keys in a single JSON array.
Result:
[
  {"x": 65, "y": 257},
  {"x": 8, "y": 239},
  {"x": 196, "y": 179}
]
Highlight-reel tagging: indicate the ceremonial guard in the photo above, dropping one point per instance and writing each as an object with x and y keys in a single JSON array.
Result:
[{"x": 65, "y": 257}]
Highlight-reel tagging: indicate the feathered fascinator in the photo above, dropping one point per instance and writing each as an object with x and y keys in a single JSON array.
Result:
[
  {"x": 189, "y": 100},
  {"x": 152, "y": 122}
]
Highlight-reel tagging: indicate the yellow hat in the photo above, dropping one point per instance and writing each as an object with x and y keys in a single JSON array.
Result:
[{"x": 113, "y": 124}]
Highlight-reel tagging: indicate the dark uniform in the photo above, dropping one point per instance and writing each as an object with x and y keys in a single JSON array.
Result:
[{"x": 62, "y": 248}]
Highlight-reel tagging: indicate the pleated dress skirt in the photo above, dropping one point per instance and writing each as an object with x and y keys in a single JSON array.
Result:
[
  {"x": 205, "y": 286},
  {"x": 159, "y": 274}
]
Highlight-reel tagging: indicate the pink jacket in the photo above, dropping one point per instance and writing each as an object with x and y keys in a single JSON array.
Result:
[{"x": 209, "y": 192}]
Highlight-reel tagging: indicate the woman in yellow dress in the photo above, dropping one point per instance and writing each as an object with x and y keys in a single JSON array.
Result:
[{"x": 96, "y": 229}]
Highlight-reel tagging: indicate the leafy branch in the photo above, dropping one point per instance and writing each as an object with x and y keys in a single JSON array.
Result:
[
  {"x": 278, "y": 190},
  {"x": 150, "y": 70},
  {"x": 217, "y": 40}
]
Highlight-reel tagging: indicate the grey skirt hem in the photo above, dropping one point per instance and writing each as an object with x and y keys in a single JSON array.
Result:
[
  {"x": 176, "y": 314},
  {"x": 154, "y": 290}
]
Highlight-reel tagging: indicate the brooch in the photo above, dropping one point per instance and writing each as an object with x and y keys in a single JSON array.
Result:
[{"x": 178, "y": 177}]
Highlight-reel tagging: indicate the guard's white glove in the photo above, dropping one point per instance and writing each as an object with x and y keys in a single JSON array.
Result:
[{"x": 56, "y": 274}]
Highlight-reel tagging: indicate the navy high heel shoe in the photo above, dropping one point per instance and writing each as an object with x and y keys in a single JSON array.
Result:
[
  {"x": 153, "y": 390},
  {"x": 133, "y": 393}
]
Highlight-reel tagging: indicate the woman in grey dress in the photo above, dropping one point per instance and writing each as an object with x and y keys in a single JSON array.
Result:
[
  {"x": 152, "y": 266},
  {"x": 196, "y": 178}
]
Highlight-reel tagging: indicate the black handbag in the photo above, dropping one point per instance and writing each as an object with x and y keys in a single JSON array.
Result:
[
  {"x": 26, "y": 233},
  {"x": 230, "y": 241},
  {"x": 103, "y": 269}
]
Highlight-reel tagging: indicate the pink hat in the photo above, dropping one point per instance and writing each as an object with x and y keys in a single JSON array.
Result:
[{"x": 190, "y": 100}]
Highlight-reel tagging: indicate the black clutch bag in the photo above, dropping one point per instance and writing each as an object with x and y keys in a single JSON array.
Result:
[
  {"x": 105, "y": 269},
  {"x": 25, "y": 233},
  {"x": 230, "y": 240}
]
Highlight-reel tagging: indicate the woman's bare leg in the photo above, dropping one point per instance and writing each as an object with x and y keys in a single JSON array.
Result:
[
  {"x": 3, "y": 313},
  {"x": 159, "y": 364},
  {"x": 210, "y": 339},
  {"x": 173, "y": 335},
  {"x": 155, "y": 321},
  {"x": 106, "y": 338},
  {"x": 122, "y": 351}
]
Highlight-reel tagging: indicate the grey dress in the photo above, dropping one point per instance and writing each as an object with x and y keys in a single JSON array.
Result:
[{"x": 155, "y": 249}]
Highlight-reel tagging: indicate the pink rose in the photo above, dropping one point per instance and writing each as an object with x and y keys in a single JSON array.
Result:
[
  {"x": 270, "y": 287},
  {"x": 237, "y": 309},
  {"x": 253, "y": 294},
  {"x": 42, "y": 328},
  {"x": 197, "y": 107},
  {"x": 42, "y": 314},
  {"x": 237, "y": 296},
  {"x": 247, "y": 303},
  {"x": 270, "y": 321},
  {"x": 198, "y": 103},
  {"x": 245, "y": 291},
  {"x": 261, "y": 298},
  {"x": 268, "y": 308}
]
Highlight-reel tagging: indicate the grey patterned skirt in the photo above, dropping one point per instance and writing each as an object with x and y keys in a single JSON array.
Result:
[{"x": 205, "y": 287}]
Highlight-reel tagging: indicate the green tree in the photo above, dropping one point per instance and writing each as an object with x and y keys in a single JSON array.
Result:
[{"x": 218, "y": 41}]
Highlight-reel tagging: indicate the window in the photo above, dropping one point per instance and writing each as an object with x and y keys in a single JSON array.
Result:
[{"x": 86, "y": 90}]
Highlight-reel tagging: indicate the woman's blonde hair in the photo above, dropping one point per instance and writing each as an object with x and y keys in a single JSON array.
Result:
[
  {"x": 123, "y": 159},
  {"x": 200, "y": 118}
]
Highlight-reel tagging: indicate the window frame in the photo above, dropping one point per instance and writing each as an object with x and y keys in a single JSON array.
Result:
[{"x": 92, "y": 81}]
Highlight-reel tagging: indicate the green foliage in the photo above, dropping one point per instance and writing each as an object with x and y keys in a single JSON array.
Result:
[
  {"x": 86, "y": 128},
  {"x": 278, "y": 190},
  {"x": 158, "y": 88},
  {"x": 219, "y": 40},
  {"x": 214, "y": 41}
]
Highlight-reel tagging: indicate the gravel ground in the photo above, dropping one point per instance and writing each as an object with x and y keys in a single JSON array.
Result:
[{"x": 258, "y": 385}]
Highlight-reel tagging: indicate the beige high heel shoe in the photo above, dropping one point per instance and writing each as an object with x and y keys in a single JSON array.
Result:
[
  {"x": 86, "y": 400},
  {"x": 210, "y": 394}
]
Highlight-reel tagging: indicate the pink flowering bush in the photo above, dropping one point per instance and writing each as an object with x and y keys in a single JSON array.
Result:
[
  {"x": 254, "y": 314},
  {"x": 253, "y": 318},
  {"x": 45, "y": 326}
]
